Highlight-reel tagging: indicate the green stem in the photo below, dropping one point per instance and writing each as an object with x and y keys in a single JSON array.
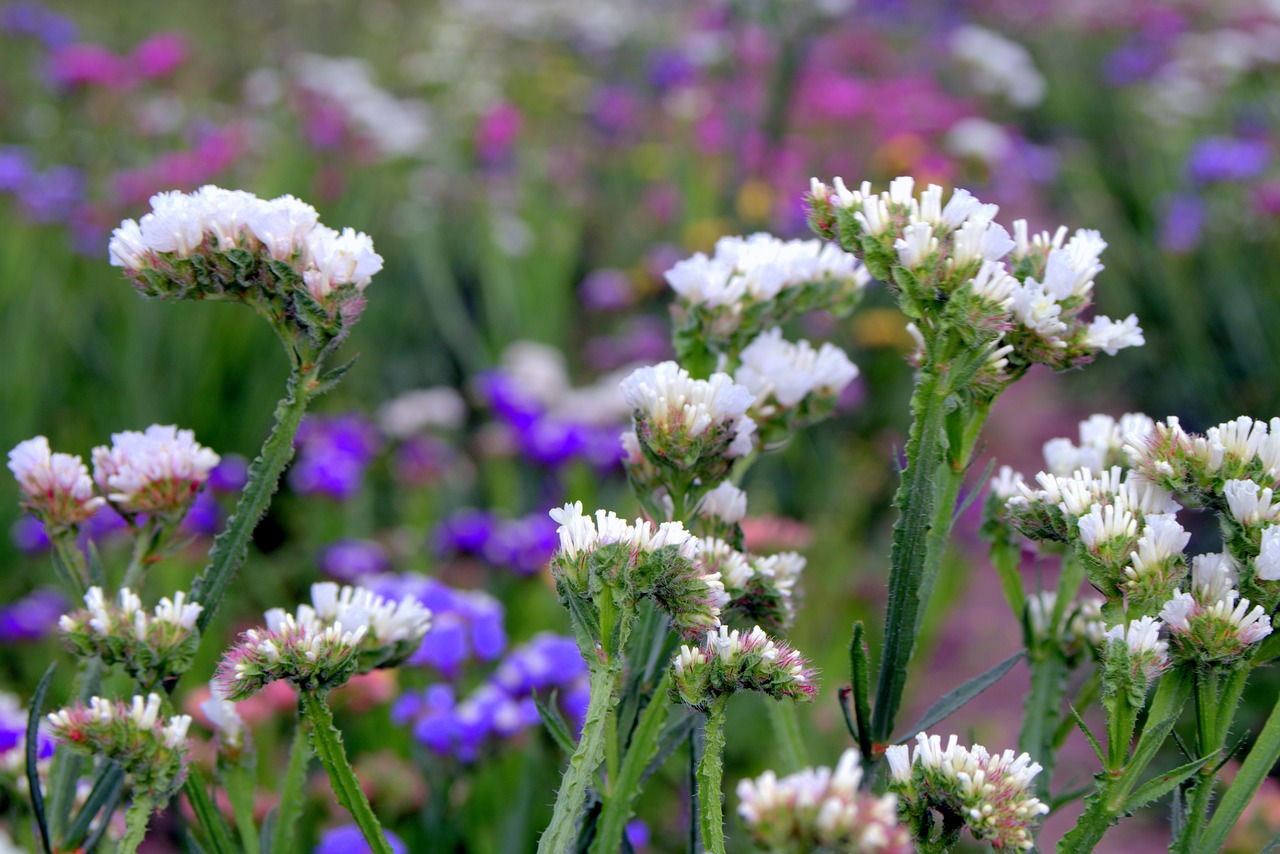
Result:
[
  {"x": 326, "y": 741},
  {"x": 136, "y": 821},
  {"x": 232, "y": 545},
  {"x": 620, "y": 804},
  {"x": 1253, "y": 771},
  {"x": 1101, "y": 811},
  {"x": 239, "y": 784},
  {"x": 1040, "y": 720},
  {"x": 786, "y": 729},
  {"x": 290, "y": 807},
  {"x": 69, "y": 565},
  {"x": 710, "y": 779},
  {"x": 1216, "y": 702},
  {"x": 561, "y": 833},
  {"x": 915, "y": 504},
  {"x": 142, "y": 545}
]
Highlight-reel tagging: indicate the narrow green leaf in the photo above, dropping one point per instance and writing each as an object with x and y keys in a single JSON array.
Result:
[
  {"x": 34, "y": 716},
  {"x": 1166, "y": 708},
  {"x": 266, "y": 835},
  {"x": 860, "y": 688},
  {"x": 1272, "y": 846},
  {"x": 1159, "y": 786},
  {"x": 97, "y": 573},
  {"x": 620, "y": 803},
  {"x": 330, "y": 378},
  {"x": 555, "y": 723},
  {"x": 210, "y": 820},
  {"x": 1088, "y": 733},
  {"x": 108, "y": 786},
  {"x": 956, "y": 699},
  {"x": 1253, "y": 771},
  {"x": 979, "y": 489},
  {"x": 676, "y": 733},
  {"x": 1061, "y": 799}
]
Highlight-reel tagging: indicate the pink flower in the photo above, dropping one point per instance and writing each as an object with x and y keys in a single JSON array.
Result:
[{"x": 159, "y": 55}]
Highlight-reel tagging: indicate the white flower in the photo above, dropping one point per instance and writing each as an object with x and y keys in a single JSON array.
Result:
[
  {"x": 334, "y": 259},
  {"x": 725, "y": 502},
  {"x": 998, "y": 65},
  {"x": 1162, "y": 538},
  {"x": 916, "y": 245},
  {"x": 676, "y": 406},
  {"x": 1037, "y": 310},
  {"x": 1214, "y": 576},
  {"x": 1005, "y": 484},
  {"x": 1267, "y": 563},
  {"x": 225, "y": 719},
  {"x": 282, "y": 225},
  {"x": 1142, "y": 637},
  {"x": 978, "y": 238},
  {"x": 397, "y": 127},
  {"x": 1249, "y": 503},
  {"x": 415, "y": 411},
  {"x": 1104, "y": 524},
  {"x": 1111, "y": 336},
  {"x": 175, "y": 224},
  {"x": 55, "y": 487},
  {"x": 158, "y": 470},
  {"x": 993, "y": 283},
  {"x": 127, "y": 247},
  {"x": 790, "y": 372}
]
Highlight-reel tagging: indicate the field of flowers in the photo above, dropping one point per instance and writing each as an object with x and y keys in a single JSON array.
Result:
[{"x": 598, "y": 409}]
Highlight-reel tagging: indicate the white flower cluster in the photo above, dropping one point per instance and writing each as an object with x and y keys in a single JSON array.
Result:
[
  {"x": 773, "y": 368},
  {"x": 155, "y": 471},
  {"x": 127, "y": 616},
  {"x": 396, "y": 127},
  {"x": 1046, "y": 308},
  {"x": 992, "y": 793},
  {"x": 674, "y": 409},
  {"x": 1079, "y": 623},
  {"x": 288, "y": 229},
  {"x": 726, "y": 503},
  {"x": 1213, "y": 622},
  {"x": 1130, "y": 494},
  {"x": 1103, "y": 439},
  {"x": 55, "y": 487},
  {"x": 745, "y": 270},
  {"x": 818, "y": 808},
  {"x": 226, "y": 721},
  {"x": 728, "y": 661},
  {"x": 580, "y": 534},
  {"x": 998, "y": 66},
  {"x": 142, "y": 713},
  {"x": 380, "y": 621},
  {"x": 421, "y": 410},
  {"x": 1203, "y": 64},
  {"x": 1148, "y": 654}
]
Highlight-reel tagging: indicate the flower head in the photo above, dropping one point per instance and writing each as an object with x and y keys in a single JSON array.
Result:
[
  {"x": 158, "y": 471},
  {"x": 1217, "y": 631},
  {"x": 818, "y": 808},
  {"x": 151, "y": 647},
  {"x": 990, "y": 793},
  {"x": 56, "y": 488},
  {"x": 150, "y": 749},
  {"x": 729, "y": 661}
]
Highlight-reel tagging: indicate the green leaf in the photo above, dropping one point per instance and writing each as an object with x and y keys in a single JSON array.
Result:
[
  {"x": 285, "y": 822},
  {"x": 1253, "y": 771},
  {"x": 1159, "y": 786},
  {"x": 860, "y": 688},
  {"x": 1088, "y": 733},
  {"x": 97, "y": 574},
  {"x": 676, "y": 734},
  {"x": 555, "y": 723},
  {"x": 620, "y": 803},
  {"x": 956, "y": 699},
  {"x": 34, "y": 716},
  {"x": 267, "y": 834},
  {"x": 330, "y": 378},
  {"x": 108, "y": 786},
  {"x": 207, "y": 815},
  {"x": 310, "y": 313},
  {"x": 1069, "y": 796}
]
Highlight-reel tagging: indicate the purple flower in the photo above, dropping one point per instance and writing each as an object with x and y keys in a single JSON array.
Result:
[
  {"x": 544, "y": 662},
  {"x": 33, "y": 617},
  {"x": 1181, "y": 224},
  {"x": 204, "y": 516},
  {"x": 89, "y": 65},
  {"x": 347, "y": 839},
  {"x": 607, "y": 290},
  {"x": 638, "y": 834},
  {"x": 1224, "y": 158},
  {"x": 33, "y": 19},
  {"x": 464, "y": 533},
  {"x": 160, "y": 55},
  {"x": 465, "y": 623},
  {"x": 524, "y": 545},
  {"x": 348, "y": 560},
  {"x": 333, "y": 455},
  {"x": 15, "y": 168},
  {"x": 421, "y": 460},
  {"x": 229, "y": 475},
  {"x": 28, "y": 535},
  {"x": 668, "y": 69},
  {"x": 53, "y": 195}
]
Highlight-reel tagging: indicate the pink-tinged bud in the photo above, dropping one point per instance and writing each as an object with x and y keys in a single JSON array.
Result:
[{"x": 55, "y": 487}]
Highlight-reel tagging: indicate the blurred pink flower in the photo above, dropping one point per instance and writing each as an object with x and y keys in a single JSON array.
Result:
[{"x": 159, "y": 55}]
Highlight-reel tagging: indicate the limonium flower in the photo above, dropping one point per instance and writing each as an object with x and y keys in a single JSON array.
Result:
[
  {"x": 998, "y": 66},
  {"x": 227, "y": 722},
  {"x": 151, "y": 647},
  {"x": 728, "y": 661},
  {"x": 229, "y": 244},
  {"x": 818, "y": 808},
  {"x": 56, "y": 488},
  {"x": 158, "y": 471},
  {"x": 955, "y": 268},
  {"x": 725, "y": 503},
  {"x": 1202, "y": 465},
  {"x": 639, "y": 560},
  {"x": 990, "y": 793},
  {"x": 151, "y": 750},
  {"x": 689, "y": 424},
  {"x": 1146, "y": 654},
  {"x": 1079, "y": 627},
  {"x": 760, "y": 589},
  {"x": 793, "y": 379},
  {"x": 1222, "y": 630},
  {"x": 1101, "y": 445},
  {"x": 750, "y": 283},
  {"x": 346, "y": 630}
]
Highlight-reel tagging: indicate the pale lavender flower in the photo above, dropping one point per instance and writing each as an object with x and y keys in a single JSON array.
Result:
[
  {"x": 158, "y": 471},
  {"x": 56, "y": 488}
]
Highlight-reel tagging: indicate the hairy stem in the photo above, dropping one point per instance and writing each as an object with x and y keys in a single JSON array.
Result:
[
  {"x": 136, "y": 821},
  {"x": 626, "y": 787},
  {"x": 291, "y": 793},
  {"x": 710, "y": 779}
]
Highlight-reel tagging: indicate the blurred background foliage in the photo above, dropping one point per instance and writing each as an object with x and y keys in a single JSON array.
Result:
[{"x": 529, "y": 170}]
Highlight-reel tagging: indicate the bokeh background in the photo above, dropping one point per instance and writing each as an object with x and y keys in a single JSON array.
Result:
[{"x": 529, "y": 169}]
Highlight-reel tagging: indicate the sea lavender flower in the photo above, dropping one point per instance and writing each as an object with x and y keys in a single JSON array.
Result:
[
  {"x": 226, "y": 722},
  {"x": 1222, "y": 158},
  {"x": 151, "y": 647},
  {"x": 333, "y": 454},
  {"x": 414, "y": 412},
  {"x": 728, "y": 661},
  {"x": 689, "y": 424},
  {"x": 793, "y": 382},
  {"x": 157, "y": 472},
  {"x": 32, "y": 617},
  {"x": 998, "y": 66},
  {"x": 34, "y": 19},
  {"x": 1220, "y": 631},
  {"x": 990, "y": 793},
  {"x": 660, "y": 563},
  {"x": 151, "y": 750},
  {"x": 349, "y": 560},
  {"x": 225, "y": 244},
  {"x": 1140, "y": 649},
  {"x": 822, "y": 809},
  {"x": 349, "y": 839},
  {"x": 466, "y": 624},
  {"x": 56, "y": 488}
]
